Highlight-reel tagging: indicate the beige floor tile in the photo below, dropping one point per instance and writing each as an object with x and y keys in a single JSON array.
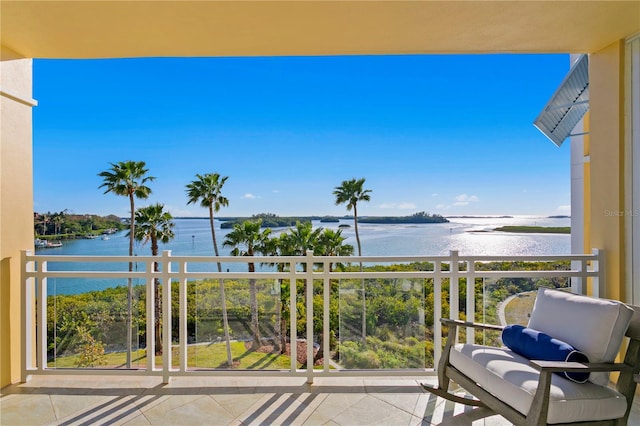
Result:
[
  {"x": 200, "y": 411},
  {"x": 236, "y": 404},
  {"x": 367, "y": 411},
  {"x": 26, "y": 410}
]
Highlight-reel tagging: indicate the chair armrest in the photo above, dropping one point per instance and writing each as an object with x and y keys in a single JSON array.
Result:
[
  {"x": 458, "y": 323},
  {"x": 587, "y": 367}
]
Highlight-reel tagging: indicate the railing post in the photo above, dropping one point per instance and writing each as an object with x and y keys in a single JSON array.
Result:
[
  {"x": 454, "y": 297},
  {"x": 182, "y": 333},
  {"x": 309, "y": 303},
  {"x": 326, "y": 324},
  {"x": 293, "y": 314},
  {"x": 166, "y": 316},
  {"x": 150, "y": 313},
  {"x": 437, "y": 312},
  {"x": 26, "y": 321},
  {"x": 41, "y": 318}
]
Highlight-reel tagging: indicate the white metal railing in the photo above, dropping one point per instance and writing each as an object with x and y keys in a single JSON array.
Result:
[{"x": 585, "y": 274}]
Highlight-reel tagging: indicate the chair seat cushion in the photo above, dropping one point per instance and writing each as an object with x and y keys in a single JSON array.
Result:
[{"x": 508, "y": 377}]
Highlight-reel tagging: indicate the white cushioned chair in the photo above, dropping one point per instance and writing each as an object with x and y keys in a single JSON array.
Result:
[{"x": 526, "y": 392}]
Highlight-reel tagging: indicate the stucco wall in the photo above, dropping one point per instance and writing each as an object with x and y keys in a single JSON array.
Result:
[
  {"x": 606, "y": 174},
  {"x": 16, "y": 203}
]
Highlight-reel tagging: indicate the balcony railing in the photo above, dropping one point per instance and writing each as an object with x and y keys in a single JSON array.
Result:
[{"x": 365, "y": 315}]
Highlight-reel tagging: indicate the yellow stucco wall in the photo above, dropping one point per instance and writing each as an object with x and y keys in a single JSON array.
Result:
[
  {"x": 605, "y": 182},
  {"x": 16, "y": 201}
]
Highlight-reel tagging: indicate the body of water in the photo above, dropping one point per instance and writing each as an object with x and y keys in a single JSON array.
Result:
[{"x": 193, "y": 238}]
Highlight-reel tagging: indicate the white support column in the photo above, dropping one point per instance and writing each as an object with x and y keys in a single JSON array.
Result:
[{"x": 577, "y": 192}]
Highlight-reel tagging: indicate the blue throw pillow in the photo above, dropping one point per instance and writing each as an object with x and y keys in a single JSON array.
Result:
[{"x": 533, "y": 344}]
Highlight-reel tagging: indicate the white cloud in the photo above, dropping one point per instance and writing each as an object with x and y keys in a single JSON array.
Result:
[
  {"x": 442, "y": 207},
  {"x": 249, "y": 196},
  {"x": 564, "y": 208},
  {"x": 387, "y": 206},
  {"x": 464, "y": 199},
  {"x": 276, "y": 191},
  {"x": 435, "y": 194}
]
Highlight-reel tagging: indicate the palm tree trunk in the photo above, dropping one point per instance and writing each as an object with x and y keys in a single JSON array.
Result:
[
  {"x": 223, "y": 300},
  {"x": 364, "y": 300}
]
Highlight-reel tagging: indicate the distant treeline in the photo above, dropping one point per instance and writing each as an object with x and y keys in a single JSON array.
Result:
[
  {"x": 420, "y": 217},
  {"x": 62, "y": 225},
  {"x": 270, "y": 220}
]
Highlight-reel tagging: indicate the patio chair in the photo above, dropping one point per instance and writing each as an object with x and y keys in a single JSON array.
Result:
[{"x": 532, "y": 391}]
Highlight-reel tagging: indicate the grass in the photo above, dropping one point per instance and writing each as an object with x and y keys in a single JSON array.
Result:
[
  {"x": 536, "y": 229},
  {"x": 517, "y": 311},
  {"x": 213, "y": 355}
]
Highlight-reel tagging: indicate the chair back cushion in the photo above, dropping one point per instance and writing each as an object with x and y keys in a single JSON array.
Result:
[{"x": 593, "y": 326}]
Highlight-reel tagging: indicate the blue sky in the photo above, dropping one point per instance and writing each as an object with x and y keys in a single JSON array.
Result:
[{"x": 448, "y": 134}]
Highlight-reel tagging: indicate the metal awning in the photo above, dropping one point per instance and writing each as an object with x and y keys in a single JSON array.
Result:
[{"x": 568, "y": 104}]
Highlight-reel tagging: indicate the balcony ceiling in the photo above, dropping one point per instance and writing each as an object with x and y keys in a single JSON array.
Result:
[{"x": 89, "y": 29}]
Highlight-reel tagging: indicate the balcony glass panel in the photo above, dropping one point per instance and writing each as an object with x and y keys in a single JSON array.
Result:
[{"x": 89, "y": 329}]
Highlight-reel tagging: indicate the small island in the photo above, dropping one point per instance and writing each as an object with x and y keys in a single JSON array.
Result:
[
  {"x": 536, "y": 229},
  {"x": 420, "y": 217}
]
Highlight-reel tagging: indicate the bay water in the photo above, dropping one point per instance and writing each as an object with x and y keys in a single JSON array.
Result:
[{"x": 468, "y": 235}]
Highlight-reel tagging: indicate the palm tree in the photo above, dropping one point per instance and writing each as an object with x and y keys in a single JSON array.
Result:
[
  {"x": 350, "y": 192},
  {"x": 128, "y": 179},
  {"x": 331, "y": 243},
  {"x": 207, "y": 189},
  {"x": 246, "y": 240},
  {"x": 155, "y": 224}
]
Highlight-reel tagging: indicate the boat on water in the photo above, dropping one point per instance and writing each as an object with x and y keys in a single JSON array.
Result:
[
  {"x": 105, "y": 237},
  {"x": 38, "y": 243}
]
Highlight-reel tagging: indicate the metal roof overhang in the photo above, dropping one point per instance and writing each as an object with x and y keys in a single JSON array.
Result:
[{"x": 568, "y": 104}]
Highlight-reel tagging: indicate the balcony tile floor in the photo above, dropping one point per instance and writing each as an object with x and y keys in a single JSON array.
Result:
[{"x": 111, "y": 400}]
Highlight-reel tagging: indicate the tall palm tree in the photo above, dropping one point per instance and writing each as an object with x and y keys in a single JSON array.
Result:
[
  {"x": 155, "y": 224},
  {"x": 350, "y": 192},
  {"x": 247, "y": 239},
  {"x": 128, "y": 179},
  {"x": 207, "y": 189}
]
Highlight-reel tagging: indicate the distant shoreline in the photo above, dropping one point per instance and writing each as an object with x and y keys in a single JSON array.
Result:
[{"x": 536, "y": 229}]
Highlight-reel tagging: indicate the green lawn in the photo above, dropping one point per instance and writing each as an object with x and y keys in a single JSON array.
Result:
[
  {"x": 518, "y": 309},
  {"x": 199, "y": 356}
]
